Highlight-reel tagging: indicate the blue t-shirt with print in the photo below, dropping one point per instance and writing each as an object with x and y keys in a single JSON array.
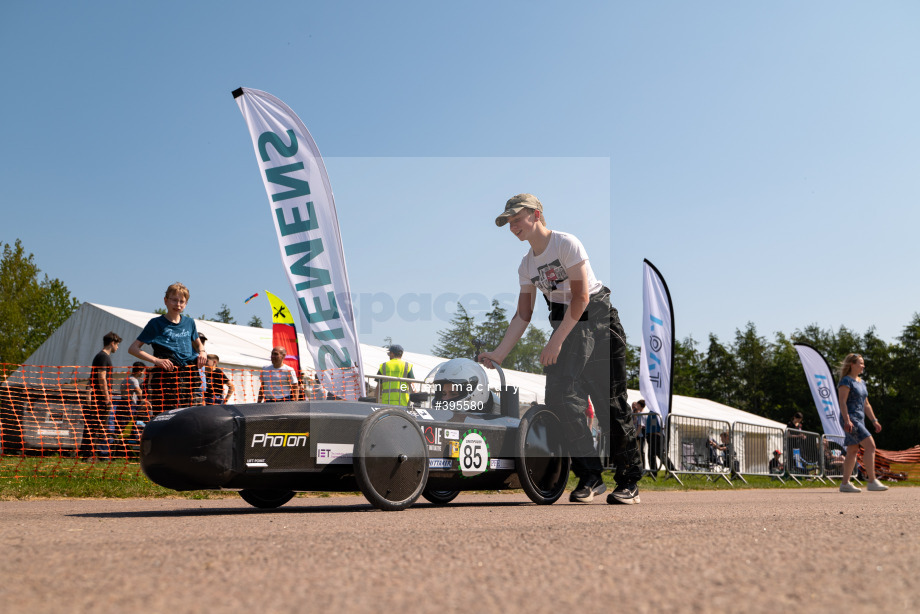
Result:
[
  {"x": 857, "y": 398},
  {"x": 172, "y": 341}
]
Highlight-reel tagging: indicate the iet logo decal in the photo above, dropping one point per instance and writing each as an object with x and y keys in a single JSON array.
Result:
[
  {"x": 280, "y": 440},
  {"x": 334, "y": 453}
]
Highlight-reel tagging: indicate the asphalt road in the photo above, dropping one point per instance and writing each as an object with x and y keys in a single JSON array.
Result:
[{"x": 812, "y": 550}]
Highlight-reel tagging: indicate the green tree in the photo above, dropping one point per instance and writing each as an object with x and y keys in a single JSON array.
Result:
[
  {"x": 687, "y": 364},
  {"x": 632, "y": 366},
  {"x": 785, "y": 387},
  {"x": 255, "y": 322},
  {"x": 30, "y": 310},
  {"x": 752, "y": 356},
  {"x": 490, "y": 333},
  {"x": 881, "y": 366},
  {"x": 224, "y": 315},
  {"x": 526, "y": 354},
  {"x": 686, "y": 373},
  {"x": 898, "y": 412},
  {"x": 718, "y": 374},
  {"x": 459, "y": 340},
  {"x": 456, "y": 341},
  {"x": 833, "y": 346}
]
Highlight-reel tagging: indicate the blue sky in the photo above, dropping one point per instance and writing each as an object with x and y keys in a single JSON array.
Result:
[{"x": 763, "y": 155}]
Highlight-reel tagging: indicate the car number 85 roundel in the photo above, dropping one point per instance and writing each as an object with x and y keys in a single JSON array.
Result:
[{"x": 474, "y": 454}]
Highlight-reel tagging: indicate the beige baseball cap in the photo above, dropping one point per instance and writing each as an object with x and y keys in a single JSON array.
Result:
[{"x": 516, "y": 204}]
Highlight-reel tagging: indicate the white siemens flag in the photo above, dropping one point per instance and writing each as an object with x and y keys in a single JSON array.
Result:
[
  {"x": 822, "y": 387},
  {"x": 304, "y": 215},
  {"x": 657, "y": 347}
]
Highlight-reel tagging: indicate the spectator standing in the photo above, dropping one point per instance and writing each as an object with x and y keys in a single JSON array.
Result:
[
  {"x": 177, "y": 353},
  {"x": 216, "y": 381},
  {"x": 278, "y": 381},
  {"x": 638, "y": 409},
  {"x": 585, "y": 355},
  {"x": 795, "y": 440},
  {"x": 854, "y": 409},
  {"x": 393, "y": 392},
  {"x": 100, "y": 405},
  {"x": 134, "y": 401},
  {"x": 655, "y": 438},
  {"x": 796, "y": 424},
  {"x": 201, "y": 391},
  {"x": 132, "y": 389}
]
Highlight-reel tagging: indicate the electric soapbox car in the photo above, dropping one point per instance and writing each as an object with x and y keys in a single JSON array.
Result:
[{"x": 270, "y": 451}]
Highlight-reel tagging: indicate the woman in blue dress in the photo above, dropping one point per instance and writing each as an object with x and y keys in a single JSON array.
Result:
[{"x": 854, "y": 408}]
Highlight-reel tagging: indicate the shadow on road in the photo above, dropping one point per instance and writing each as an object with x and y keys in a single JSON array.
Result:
[{"x": 287, "y": 509}]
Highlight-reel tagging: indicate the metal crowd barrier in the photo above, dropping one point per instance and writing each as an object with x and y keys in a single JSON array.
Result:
[
  {"x": 754, "y": 447},
  {"x": 834, "y": 454},
  {"x": 701, "y": 447},
  {"x": 804, "y": 452},
  {"x": 690, "y": 446}
]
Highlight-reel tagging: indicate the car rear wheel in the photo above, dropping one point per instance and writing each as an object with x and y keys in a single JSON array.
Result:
[
  {"x": 391, "y": 459},
  {"x": 543, "y": 461}
]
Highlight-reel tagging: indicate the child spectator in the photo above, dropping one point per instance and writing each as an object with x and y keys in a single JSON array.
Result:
[
  {"x": 177, "y": 353},
  {"x": 776, "y": 463},
  {"x": 216, "y": 380}
]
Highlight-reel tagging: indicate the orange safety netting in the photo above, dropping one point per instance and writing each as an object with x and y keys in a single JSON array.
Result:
[
  {"x": 903, "y": 464},
  {"x": 54, "y": 421}
]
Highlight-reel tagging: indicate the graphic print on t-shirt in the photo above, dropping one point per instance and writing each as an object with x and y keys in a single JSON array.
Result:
[{"x": 549, "y": 276}]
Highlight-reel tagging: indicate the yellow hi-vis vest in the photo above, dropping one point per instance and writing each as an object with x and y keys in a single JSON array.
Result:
[{"x": 395, "y": 393}]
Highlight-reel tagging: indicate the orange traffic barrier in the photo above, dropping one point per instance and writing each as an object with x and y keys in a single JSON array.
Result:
[{"x": 53, "y": 424}]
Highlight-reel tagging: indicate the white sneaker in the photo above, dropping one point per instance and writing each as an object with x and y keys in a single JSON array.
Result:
[
  {"x": 876, "y": 485},
  {"x": 847, "y": 487}
]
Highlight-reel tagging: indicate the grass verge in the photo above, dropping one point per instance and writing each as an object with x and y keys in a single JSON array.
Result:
[{"x": 24, "y": 478}]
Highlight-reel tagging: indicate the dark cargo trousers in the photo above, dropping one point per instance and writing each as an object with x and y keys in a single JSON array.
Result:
[
  {"x": 168, "y": 390},
  {"x": 592, "y": 362}
]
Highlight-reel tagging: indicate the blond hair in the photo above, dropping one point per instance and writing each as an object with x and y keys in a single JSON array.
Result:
[
  {"x": 177, "y": 288},
  {"x": 847, "y": 365}
]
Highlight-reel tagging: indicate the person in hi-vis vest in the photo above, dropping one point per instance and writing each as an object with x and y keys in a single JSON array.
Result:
[{"x": 391, "y": 392}]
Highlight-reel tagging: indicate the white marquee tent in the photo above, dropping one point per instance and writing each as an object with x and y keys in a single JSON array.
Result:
[{"x": 76, "y": 341}]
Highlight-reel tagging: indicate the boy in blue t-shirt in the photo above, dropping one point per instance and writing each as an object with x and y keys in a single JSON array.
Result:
[{"x": 177, "y": 353}]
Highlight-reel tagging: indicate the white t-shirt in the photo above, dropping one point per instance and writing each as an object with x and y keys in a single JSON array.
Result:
[
  {"x": 549, "y": 271},
  {"x": 129, "y": 389},
  {"x": 278, "y": 383}
]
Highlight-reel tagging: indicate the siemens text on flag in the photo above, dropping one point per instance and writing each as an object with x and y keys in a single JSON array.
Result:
[{"x": 303, "y": 211}]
